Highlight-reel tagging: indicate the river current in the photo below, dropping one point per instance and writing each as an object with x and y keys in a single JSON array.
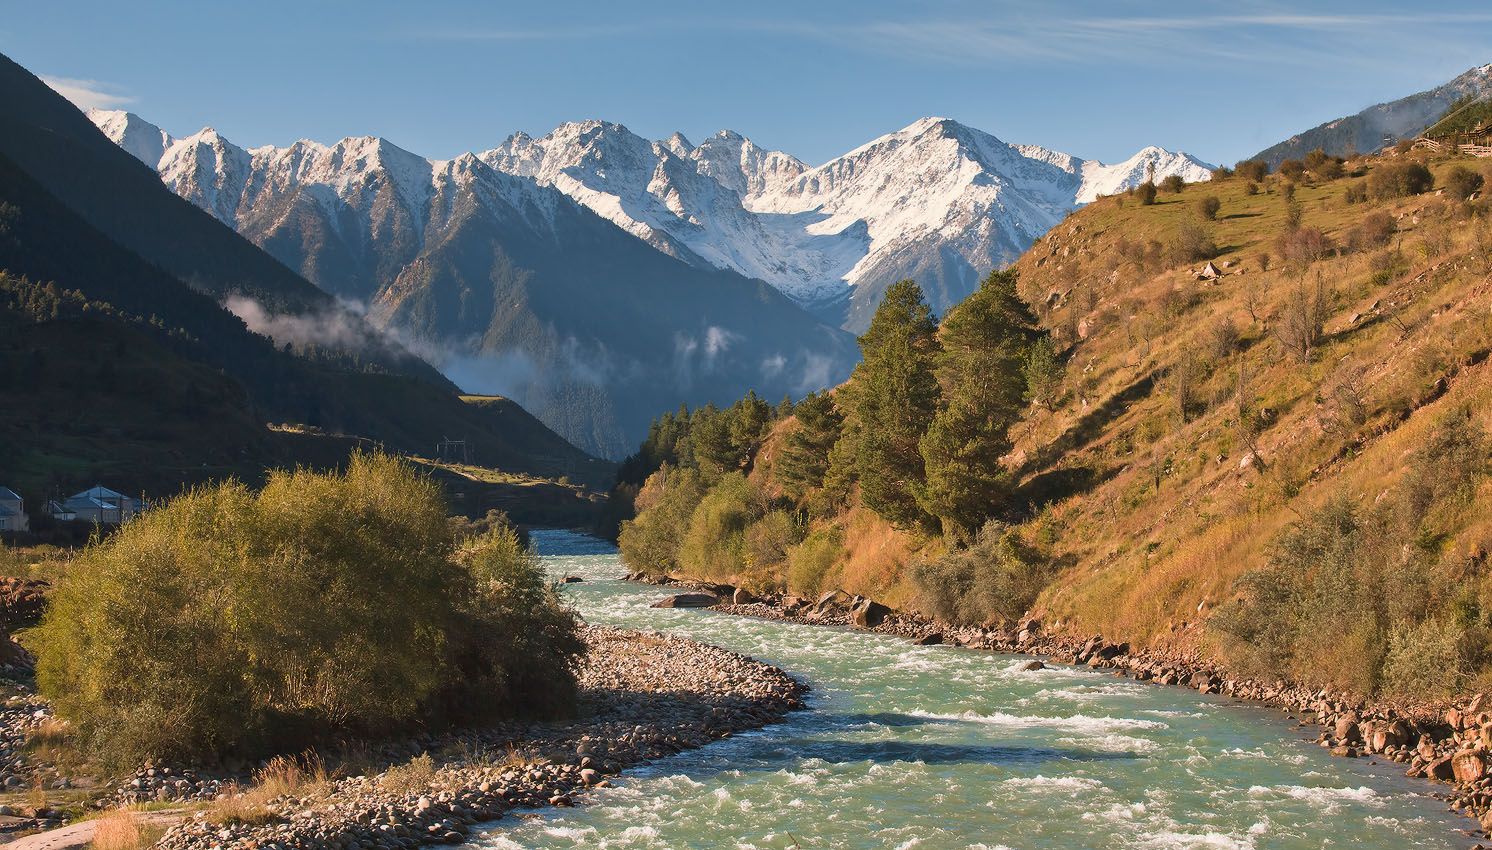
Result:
[{"x": 938, "y": 747}]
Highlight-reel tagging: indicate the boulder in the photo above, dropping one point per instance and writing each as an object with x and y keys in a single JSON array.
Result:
[
  {"x": 742, "y": 596},
  {"x": 698, "y": 599},
  {"x": 572, "y": 579},
  {"x": 1347, "y": 729},
  {"x": 929, "y": 639},
  {"x": 1468, "y": 766},
  {"x": 1388, "y": 735},
  {"x": 869, "y": 614},
  {"x": 832, "y": 599},
  {"x": 1033, "y": 665},
  {"x": 1441, "y": 769}
]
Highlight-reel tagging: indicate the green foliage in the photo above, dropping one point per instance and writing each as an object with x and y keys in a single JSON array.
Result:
[
  {"x": 810, "y": 568},
  {"x": 650, "y": 542},
  {"x": 893, "y": 397},
  {"x": 803, "y": 460},
  {"x": 1146, "y": 193},
  {"x": 993, "y": 581},
  {"x": 1044, "y": 370},
  {"x": 235, "y": 621},
  {"x": 1399, "y": 180},
  {"x": 1361, "y": 598},
  {"x": 1252, "y": 170},
  {"x": 1192, "y": 244},
  {"x": 1208, "y": 206},
  {"x": 766, "y": 545},
  {"x": 713, "y": 546},
  {"x": 1461, "y": 183},
  {"x": 1292, "y": 169},
  {"x": 985, "y": 343},
  {"x": 1173, "y": 184}
]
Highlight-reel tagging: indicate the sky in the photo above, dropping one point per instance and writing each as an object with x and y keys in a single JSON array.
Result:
[{"x": 815, "y": 78}]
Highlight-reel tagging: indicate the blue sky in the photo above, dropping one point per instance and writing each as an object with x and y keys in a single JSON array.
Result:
[{"x": 1099, "y": 79}]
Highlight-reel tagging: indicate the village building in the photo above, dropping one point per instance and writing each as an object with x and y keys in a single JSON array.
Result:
[
  {"x": 97, "y": 504},
  {"x": 12, "y": 511}
]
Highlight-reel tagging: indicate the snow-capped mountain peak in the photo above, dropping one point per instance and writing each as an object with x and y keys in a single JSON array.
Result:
[{"x": 936, "y": 200}]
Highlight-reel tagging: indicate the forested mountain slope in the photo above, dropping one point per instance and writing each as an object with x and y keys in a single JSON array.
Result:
[{"x": 1263, "y": 436}]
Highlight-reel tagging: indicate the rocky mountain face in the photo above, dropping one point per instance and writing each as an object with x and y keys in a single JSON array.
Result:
[
  {"x": 937, "y": 201},
  {"x": 1377, "y": 126},
  {"x": 504, "y": 282}
]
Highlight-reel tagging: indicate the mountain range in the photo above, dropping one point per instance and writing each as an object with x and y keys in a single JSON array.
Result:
[
  {"x": 1381, "y": 125},
  {"x": 598, "y": 277},
  {"x": 112, "y": 326}
]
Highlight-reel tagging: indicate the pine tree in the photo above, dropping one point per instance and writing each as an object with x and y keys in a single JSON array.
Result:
[
  {"x": 804, "y": 459},
  {"x": 985, "y": 341},
  {"x": 750, "y": 419},
  {"x": 893, "y": 397},
  {"x": 710, "y": 443}
]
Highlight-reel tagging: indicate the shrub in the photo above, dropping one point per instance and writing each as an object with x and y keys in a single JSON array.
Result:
[
  {"x": 650, "y": 543},
  {"x": 1461, "y": 183},
  {"x": 714, "y": 544},
  {"x": 810, "y": 564},
  {"x": 1146, "y": 193},
  {"x": 1173, "y": 184},
  {"x": 1252, "y": 170},
  {"x": 1288, "y": 191},
  {"x": 1300, "y": 325},
  {"x": 1303, "y": 245},
  {"x": 242, "y": 622},
  {"x": 1208, "y": 207},
  {"x": 1222, "y": 172},
  {"x": 1399, "y": 180},
  {"x": 1224, "y": 338},
  {"x": 768, "y": 541},
  {"x": 1251, "y": 188},
  {"x": 1356, "y": 192},
  {"x": 1425, "y": 661},
  {"x": 1192, "y": 244},
  {"x": 994, "y": 580},
  {"x": 1291, "y": 169},
  {"x": 1374, "y": 231}
]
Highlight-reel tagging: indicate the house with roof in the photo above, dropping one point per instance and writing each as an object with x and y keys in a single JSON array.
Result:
[
  {"x": 98, "y": 504},
  {"x": 12, "y": 511}
]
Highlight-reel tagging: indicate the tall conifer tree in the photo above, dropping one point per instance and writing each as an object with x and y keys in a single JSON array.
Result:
[
  {"x": 985, "y": 342},
  {"x": 893, "y": 398}
]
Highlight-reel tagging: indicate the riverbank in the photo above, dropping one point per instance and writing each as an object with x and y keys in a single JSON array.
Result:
[
  {"x": 1448, "y": 744},
  {"x": 643, "y": 696}
]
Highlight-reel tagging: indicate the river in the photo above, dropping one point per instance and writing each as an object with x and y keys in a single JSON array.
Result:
[{"x": 939, "y": 747}]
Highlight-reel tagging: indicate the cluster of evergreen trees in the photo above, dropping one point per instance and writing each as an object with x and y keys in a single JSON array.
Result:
[{"x": 920, "y": 428}]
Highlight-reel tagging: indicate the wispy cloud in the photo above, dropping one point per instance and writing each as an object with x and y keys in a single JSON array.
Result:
[{"x": 88, "y": 94}]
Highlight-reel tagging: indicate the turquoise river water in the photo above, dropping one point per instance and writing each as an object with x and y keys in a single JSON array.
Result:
[{"x": 939, "y": 747}]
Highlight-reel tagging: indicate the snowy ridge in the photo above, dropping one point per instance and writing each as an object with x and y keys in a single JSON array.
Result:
[{"x": 937, "y": 199}]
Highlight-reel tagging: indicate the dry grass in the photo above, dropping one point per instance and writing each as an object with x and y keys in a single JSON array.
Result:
[
  {"x": 414, "y": 776},
  {"x": 304, "y": 776},
  {"x": 120, "y": 829}
]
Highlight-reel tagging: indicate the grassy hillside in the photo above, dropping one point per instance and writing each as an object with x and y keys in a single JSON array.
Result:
[{"x": 1281, "y": 466}]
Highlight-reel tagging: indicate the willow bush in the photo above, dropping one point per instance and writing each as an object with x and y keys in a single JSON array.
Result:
[{"x": 243, "y": 622}]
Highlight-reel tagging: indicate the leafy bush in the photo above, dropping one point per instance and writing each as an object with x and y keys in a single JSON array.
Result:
[
  {"x": 1173, "y": 184},
  {"x": 714, "y": 544},
  {"x": 1399, "y": 180},
  {"x": 235, "y": 621},
  {"x": 1303, "y": 245},
  {"x": 650, "y": 542},
  {"x": 1374, "y": 231},
  {"x": 1461, "y": 183},
  {"x": 1146, "y": 193},
  {"x": 810, "y": 564},
  {"x": 994, "y": 580},
  {"x": 1292, "y": 169},
  {"x": 1192, "y": 244},
  {"x": 1362, "y": 598},
  {"x": 1356, "y": 192},
  {"x": 1208, "y": 207},
  {"x": 1252, "y": 170}
]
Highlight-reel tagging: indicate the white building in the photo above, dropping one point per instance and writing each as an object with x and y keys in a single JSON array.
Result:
[
  {"x": 12, "y": 511},
  {"x": 97, "y": 505}
]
